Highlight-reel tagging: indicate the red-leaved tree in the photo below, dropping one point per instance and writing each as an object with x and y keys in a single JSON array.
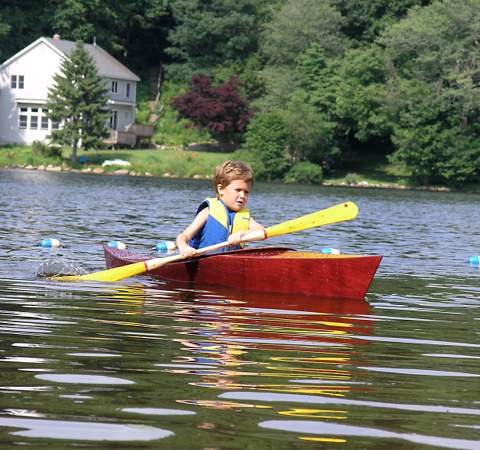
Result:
[{"x": 220, "y": 109}]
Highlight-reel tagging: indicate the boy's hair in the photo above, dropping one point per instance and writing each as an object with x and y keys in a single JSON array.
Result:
[{"x": 231, "y": 170}]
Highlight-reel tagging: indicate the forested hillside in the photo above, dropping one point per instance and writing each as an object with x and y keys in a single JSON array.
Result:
[{"x": 325, "y": 80}]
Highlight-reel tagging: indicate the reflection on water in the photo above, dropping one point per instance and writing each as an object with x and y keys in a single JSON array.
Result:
[{"x": 142, "y": 364}]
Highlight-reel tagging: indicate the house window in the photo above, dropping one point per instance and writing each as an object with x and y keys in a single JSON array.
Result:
[
  {"x": 23, "y": 118},
  {"x": 113, "y": 119},
  {"x": 44, "y": 123},
  {"x": 128, "y": 90},
  {"x": 22, "y": 121},
  {"x": 114, "y": 87},
  {"x": 17, "y": 81},
  {"x": 34, "y": 122},
  {"x": 32, "y": 117},
  {"x": 54, "y": 125}
]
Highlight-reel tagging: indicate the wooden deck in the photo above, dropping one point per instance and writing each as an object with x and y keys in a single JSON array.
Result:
[{"x": 132, "y": 137}]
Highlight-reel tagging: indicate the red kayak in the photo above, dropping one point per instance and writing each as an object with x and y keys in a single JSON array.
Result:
[{"x": 266, "y": 269}]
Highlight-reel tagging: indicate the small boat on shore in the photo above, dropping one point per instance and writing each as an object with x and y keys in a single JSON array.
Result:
[{"x": 266, "y": 269}]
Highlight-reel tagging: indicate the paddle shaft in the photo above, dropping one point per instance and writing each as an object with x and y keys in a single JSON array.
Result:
[{"x": 155, "y": 263}]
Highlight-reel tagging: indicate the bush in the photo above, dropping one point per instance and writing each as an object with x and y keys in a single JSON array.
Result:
[
  {"x": 255, "y": 162},
  {"x": 352, "y": 178},
  {"x": 220, "y": 109},
  {"x": 267, "y": 137},
  {"x": 41, "y": 149},
  {"x": 304, "y": 172}
]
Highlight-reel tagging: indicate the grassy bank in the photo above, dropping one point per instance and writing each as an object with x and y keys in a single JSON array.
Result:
[
  {"x": 168, "y": 161},
  {"x": 174, "y": 161}
]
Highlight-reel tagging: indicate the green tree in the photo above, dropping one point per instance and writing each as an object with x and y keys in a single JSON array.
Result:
[
  {"x": 295, "y": 28},
  {"x": 310, "y": 133},
  {"x": 4, "y": 29},
  {"x": 360, "y": 93},
  {"x": 23, "y": 22},
  {"x": 133, "y": 29},
  {"x": 268, "y": 138},
  {"x": 77, "y": 101},
  {"x": 297, "y": 25},
  {"x": 433, "y": 90},
  {"x": 212, "y": 33},
  {"x": 365, "y": 20}
]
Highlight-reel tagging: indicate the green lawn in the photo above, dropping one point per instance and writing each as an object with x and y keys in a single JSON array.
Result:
[{"x": 174, "y": 161}]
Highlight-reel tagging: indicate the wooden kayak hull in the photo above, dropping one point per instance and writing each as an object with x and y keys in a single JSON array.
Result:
[{"x": 266, "y": 269}]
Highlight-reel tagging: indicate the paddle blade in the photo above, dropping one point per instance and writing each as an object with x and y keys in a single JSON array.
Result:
[
  {"x": 115, "y": 274},
  {"x": 338, "y": 213}
]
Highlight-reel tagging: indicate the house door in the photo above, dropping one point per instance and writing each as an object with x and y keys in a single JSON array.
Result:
[{"x": 113, "y": 119}]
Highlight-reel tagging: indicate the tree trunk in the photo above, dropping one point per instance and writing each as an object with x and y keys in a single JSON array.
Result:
[{"x": 73, "y": 156}]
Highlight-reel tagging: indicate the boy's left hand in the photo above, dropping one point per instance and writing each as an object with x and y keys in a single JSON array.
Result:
[{"x": 236, "y": 238}]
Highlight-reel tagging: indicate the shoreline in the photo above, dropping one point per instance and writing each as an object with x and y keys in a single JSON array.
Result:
[{"x": 126, "y": 172}]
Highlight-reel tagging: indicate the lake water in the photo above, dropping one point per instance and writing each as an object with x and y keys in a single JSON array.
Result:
[{"x": 140, "y": 365}]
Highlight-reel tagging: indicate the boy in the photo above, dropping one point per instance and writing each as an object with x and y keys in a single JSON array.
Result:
[{"x": 224, "y": 217}]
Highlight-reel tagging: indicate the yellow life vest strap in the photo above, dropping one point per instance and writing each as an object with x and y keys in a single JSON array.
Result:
[{"x": 241, "y": 221}]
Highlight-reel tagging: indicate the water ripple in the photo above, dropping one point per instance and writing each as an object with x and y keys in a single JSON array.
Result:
[
  {"x": 83, "y": 431},
  {"x": 313, "y": 399},
  {"x": 335, "y": 429}
]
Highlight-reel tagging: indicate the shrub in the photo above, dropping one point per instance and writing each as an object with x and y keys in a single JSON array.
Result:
[
  {"x": 220, "y": 109},
  {"x": 267, "y": 137},
  {"x": 254, "y": 160},
  {"x": 304, "y": 172},
  {"x": 41, "y": 149},
  {"x": 352, "y": 178}
]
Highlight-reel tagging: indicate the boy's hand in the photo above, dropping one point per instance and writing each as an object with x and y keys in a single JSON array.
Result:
[
  {"x": 236, "y": 238},
  {"x": 186, "y": 251}
]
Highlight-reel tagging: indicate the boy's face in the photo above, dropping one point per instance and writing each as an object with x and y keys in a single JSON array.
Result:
[{"x": 234, "y": 195}]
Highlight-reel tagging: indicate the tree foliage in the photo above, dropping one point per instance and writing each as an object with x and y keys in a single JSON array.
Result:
[
  {"x": 220, "y": 109},
  {"x": 132, "y": 30},
  {"x": 366, "y": 20},
  {"x": 213, "y": 32},
  {"x": 77, "y": 102},
  {"x": 342, "y": 77},
  {"x": 310, "y": 133},
  {"x": 267, "y": 136},
  {"x": 434, "y": 90},
  {"x": 297, "y": 25}
]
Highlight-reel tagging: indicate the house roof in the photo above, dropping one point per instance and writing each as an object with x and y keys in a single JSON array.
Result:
[{"x": 107, "y": 65}]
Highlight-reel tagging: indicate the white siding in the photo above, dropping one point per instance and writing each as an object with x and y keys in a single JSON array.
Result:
[{"x": 38, "y": 65}]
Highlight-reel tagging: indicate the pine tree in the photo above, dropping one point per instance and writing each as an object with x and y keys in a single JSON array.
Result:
[{"x": 77, "y": 101}]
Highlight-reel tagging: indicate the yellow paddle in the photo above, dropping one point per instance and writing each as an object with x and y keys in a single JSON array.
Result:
[{"x": 338, "y": 213}]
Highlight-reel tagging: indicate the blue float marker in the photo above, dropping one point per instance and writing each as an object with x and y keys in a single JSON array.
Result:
[
  {"x": 117, "y": 244},
  {"x": 330, "y": 251},
  {"x": 165, "y": 246},
  {"x": 474, "y": 260},
  {"x": 50, "y": 243}
]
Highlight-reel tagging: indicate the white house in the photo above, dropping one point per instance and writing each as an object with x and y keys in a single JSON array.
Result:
[{"x": 26, "y": 77}]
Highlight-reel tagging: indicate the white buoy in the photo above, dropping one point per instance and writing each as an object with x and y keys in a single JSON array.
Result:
[
  {"x": 165, "y": 246},
  {"x": 330, "y": 251},
  {"x": 50, "y": 243},
  {"x": 117, "y": 244}
]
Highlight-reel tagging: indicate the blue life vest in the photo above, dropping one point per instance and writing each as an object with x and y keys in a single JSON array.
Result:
[{"x": 221, "y": 223}]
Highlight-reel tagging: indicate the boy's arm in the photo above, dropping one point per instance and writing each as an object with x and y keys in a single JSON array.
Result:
[
  {"x": 254, "y": 226},
  {"x": 236, "y": 238},
  {"x": 188, "y": 233}
]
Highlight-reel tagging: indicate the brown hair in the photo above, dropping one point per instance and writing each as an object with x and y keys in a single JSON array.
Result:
[{"x": 231, "y": 170}]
